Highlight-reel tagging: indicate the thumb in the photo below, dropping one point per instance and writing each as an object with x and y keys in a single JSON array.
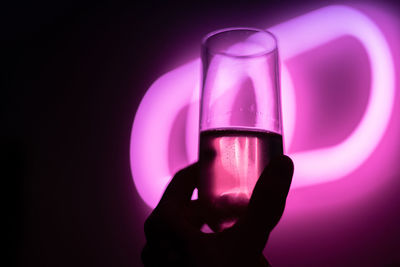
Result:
[{"x": 180, "y": 189}]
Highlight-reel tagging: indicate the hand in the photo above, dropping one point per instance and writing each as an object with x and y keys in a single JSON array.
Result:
[{"x": 173, "y": 230}]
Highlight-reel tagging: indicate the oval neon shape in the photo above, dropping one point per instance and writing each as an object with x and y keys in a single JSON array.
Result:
[{"x": 180, "y": 87}]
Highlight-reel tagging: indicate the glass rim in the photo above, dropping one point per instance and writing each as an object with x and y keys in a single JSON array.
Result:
[{"x": 204, "y": 42}]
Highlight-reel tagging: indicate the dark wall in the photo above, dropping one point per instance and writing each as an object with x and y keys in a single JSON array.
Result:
[{"x": 75, "y": 74}]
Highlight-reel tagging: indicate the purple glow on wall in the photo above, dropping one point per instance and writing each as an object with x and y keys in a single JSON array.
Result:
[
  {"x": 326, "y": 25},
  {"x": 165, "y": 129}
]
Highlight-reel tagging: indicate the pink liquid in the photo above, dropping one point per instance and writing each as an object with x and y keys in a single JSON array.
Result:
[{"x": 231, "y": 163}]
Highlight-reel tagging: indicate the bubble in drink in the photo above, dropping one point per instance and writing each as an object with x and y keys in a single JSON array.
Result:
[{"x": 232, "y": 161}]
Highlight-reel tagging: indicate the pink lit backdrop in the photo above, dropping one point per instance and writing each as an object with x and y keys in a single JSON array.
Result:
[{"x": 341, "y": 126}]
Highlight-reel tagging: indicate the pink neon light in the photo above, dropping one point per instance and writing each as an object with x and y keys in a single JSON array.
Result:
[
  {"x": 326, "y": 164},
  {"x": 179, "y": 89}
]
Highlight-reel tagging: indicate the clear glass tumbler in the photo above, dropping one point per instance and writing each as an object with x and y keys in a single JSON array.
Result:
[{"x": 240, "y": 119}]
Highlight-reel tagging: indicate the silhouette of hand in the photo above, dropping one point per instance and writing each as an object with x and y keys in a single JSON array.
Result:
[{"x": 173, "y": 230}]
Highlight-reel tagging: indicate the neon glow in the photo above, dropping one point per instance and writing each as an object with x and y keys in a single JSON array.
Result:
[{"x": 178, "y": 90}]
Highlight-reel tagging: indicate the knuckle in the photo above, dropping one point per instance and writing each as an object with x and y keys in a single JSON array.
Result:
[
  {"x": 154, "y": 224},
  {"x": 179, "y": 174}
]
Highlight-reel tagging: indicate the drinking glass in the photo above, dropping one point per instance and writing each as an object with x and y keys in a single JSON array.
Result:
[{"x": 240, "y": 119}]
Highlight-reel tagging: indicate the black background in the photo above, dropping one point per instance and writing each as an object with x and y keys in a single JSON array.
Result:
[{"x": 74, "y": 74}]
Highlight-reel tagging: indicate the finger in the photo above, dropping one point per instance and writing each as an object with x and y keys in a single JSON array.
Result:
[
  {"x": 162, "y": 254},
  {"x": 146, "y": 256},
  {"x": 268, "y": 200},
  {"x": 151, "y": 256},
  {"x": 168, "y": 218},
  {"x": 195, "y": 214},
  {"x": 187, "y": 226},
  {"x": 170, "y": 222},
  {"x": 180, "y": 189}
]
